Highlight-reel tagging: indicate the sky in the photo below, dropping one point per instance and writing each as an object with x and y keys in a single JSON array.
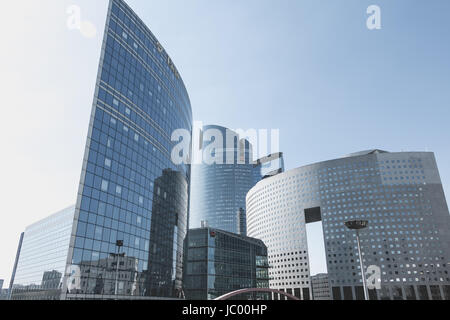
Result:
[{"x": 310, "y": 68}]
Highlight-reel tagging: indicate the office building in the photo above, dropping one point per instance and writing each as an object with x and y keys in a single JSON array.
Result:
[
  {"x": 221, "y": 182},
  {"x": 400, "y": 195},
  {"x": 320, "y": 287},
  {"x": 219, "y": 262},
  {"x": 3, "y": 292},
  {"x": 132, "y": 199},
  {"x": 242, "y": 222},
  {"x": 42, "y": 258},
  {"x": 219, "y": 187}
]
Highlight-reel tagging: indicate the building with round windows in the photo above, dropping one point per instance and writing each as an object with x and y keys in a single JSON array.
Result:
[{"x": 407, "y": 239}]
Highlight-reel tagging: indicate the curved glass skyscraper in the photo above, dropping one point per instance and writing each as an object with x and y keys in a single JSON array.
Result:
[
  {"x": 132, "y": 207},
  {"x": 218, "y": 189},
  {"x": 399, "y": 194}
]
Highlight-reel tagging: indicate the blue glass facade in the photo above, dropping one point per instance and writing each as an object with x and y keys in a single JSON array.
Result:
[
  {"x": 130, "y": 190},
  {"x": 219, "y": 189},
  {"x": 42, "y": 258},
  {"x": 219, "y": 262}
]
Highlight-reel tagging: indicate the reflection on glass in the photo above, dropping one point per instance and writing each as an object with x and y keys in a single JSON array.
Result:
[
  {"x": 219, "y": 189},
  {"x": 225, "y": 263},
  {"x": 168, "y": 230},
  {"x": 130, "y": 190},
  {"x": 42, "y": 258}
]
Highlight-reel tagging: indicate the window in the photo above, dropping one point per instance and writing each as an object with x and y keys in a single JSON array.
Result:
[{"x": 105, "y": 186}]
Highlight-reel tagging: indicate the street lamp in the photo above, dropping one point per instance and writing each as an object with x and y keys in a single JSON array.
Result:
[
  {"x": 358, "y": 225},
  {"x": 119, "y": 244}
]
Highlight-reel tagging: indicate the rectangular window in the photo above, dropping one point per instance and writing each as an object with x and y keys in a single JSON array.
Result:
[
  {"x": 410, "y": 293},
  {"x": 373, "y": 294},
  {"x": 359, "y": 292},
  {"x": 105, "y": 186},
  {"x": 423, "y": 292},
  {"x": 435, "y": 293},
  {"x": 306, "y": 295},
  {"x": 348, "y": 293},
  {"x": 446, "y": 289}
]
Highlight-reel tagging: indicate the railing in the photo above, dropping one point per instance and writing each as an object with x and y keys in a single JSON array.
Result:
[{"x": 256, "y": 290}]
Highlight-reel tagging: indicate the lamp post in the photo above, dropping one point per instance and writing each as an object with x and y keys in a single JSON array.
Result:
[
  {"x": 358, "y": 225},
  {"x": 119, "y": 244}
]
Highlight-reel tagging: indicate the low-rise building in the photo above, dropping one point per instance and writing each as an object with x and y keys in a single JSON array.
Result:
[
  {"x": 320, "y": 287},
  {"x": 219, "y": 262}
]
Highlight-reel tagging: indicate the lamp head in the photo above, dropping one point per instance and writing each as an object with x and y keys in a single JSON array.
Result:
[{"x": 357, "y": 224}]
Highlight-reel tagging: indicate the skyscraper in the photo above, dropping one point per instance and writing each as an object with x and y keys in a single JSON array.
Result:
[
  {"x": 408, "y": 236},
  {"x": 41, "y": 260},
  {"x": 128, "y": 181},
  {"x": 219, "y": 188}
]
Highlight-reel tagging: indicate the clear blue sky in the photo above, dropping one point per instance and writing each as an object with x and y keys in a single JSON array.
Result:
[
  {"x": 313, "y": 70},
  {"x": 310, "y": 68}
]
